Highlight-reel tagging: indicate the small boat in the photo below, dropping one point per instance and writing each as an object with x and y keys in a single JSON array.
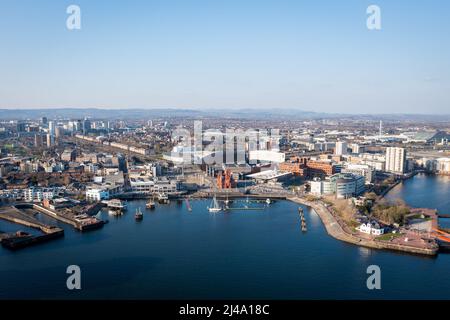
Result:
[
  {"x": 138, "y": 215},
  {"x": 150, "y": 204},
  {"x": 115, "y": 212},
  {"x": 268, "y": 201},
  {"x": 214, "y": 206},
  {"x": 116, "y": 204},
  {"x": 163, "y": 198}
]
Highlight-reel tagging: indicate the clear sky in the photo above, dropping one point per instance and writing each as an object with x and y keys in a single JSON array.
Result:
[{"x": 311, "y": 55}]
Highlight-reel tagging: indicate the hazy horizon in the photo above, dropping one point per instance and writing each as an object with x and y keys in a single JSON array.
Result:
[
  {"x": 273, "y": 109},
  {"x": 309, "y": 56}
]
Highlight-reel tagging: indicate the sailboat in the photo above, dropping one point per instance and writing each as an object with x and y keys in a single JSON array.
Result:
[
  {"x": 138, "y": 215},
  {"x": 227, "y": 202},
  {"x": 214, "y": 206}
]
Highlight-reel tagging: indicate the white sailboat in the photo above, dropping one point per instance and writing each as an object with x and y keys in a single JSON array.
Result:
[{"x": 214, "y": 206}]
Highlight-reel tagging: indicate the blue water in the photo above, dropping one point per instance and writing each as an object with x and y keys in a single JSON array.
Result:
[
  {"x": 177, "y": 254},
  {"x": 425, "y": 191}
]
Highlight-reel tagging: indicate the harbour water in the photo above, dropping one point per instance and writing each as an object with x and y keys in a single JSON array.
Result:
[{"x": 175, "y": 253}]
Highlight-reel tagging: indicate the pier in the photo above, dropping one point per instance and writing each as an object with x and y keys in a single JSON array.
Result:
[
  {"x": 81, "y": 223},
  {"x": 13, "y": 214},
  {"x": 21, "y": 239}
]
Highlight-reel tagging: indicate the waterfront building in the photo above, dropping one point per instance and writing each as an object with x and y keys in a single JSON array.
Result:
[
  {"x": 443, "y": 166},
  {"x": 39, "y": 194},
  {"x": 371, "y": 228},
  {"x": 396, "y": 160},
  {"x": 147, "y": 185},
  {"x": 342, "y": 185},
  {"x": 97, "y": 193}
]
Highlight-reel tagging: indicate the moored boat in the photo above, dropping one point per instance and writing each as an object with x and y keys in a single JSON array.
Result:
[
  {"x": 163, "y": 198},
  {"x": 117, "y": 204},
  {"x": 214, "y": 206},
  {"x": 115, "y": 212},
  {"x": 150, "y": 204},
  {"x": 138, "y": 215}
]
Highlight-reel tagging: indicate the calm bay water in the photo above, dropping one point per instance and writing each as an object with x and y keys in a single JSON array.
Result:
[{"x": 177, "y": 254}]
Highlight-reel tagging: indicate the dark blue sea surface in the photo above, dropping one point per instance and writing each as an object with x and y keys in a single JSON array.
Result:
[{"x": 177, "y": 254}]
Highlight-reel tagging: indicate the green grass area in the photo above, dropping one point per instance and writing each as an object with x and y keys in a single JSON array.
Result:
[
  {"x": 388, "y": 236},
  {"x": 416, "y": 216}
]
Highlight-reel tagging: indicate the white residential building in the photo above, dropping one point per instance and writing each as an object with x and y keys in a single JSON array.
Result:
[
  {"x": 341, "y": 148},
  {"x": 97, "y": 193},
  {"x": 396, "y": 160},
  {"x": 147, "y": 185},
  {"x": 103, "y": 191},
  {"x": 371, "y": 228},
  {"x": 39, "y": 194},
  {"x": 443, "y": 165}
]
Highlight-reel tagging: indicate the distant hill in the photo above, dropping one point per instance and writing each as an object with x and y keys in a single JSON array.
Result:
[{"x": 260, "y": 114}]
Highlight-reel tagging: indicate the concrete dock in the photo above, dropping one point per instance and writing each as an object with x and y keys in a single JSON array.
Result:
[
  {"x": 21, "y": 239},
  {"x": 13, "y": 214},
  {"x": 81, "y": 223}
]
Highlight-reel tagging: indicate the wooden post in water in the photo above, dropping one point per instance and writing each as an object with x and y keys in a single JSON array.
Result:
[{"x": 302, "y": 217}]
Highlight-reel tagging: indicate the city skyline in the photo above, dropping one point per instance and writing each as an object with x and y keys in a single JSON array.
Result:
[{"x": 317, "y": 57}]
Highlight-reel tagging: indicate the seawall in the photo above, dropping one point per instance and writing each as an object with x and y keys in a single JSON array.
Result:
[{"x": 335, "y": 230}]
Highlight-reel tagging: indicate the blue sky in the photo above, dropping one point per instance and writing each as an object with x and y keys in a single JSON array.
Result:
[{"x": 310, "y": 55}]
